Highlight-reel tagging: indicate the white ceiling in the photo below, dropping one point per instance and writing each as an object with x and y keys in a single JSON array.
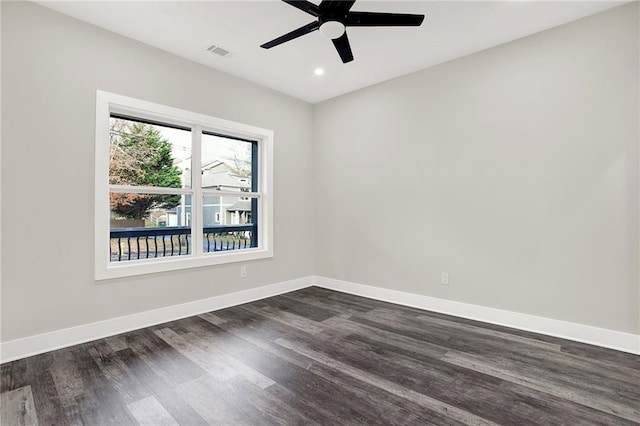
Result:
[{"x": 451, "y": 29}]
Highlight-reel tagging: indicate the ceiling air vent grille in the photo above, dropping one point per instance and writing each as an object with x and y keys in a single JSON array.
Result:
[{"x": 220, "y": 51}]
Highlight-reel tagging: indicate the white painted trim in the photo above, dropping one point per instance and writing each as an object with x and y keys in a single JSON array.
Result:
[
  {"x": 197, "y": 200},
  {"x": 621, "y": 341},
  {"x": 101, "y": 185},
  {"x": 39, "y": 343},
  {"x": 33, "y": 345},
  {"x": 107, "y": 103},
  {"x": 128, "y": 189},
  {"x": 165, "y": 264},
  {"x": 214, "y": 192}
]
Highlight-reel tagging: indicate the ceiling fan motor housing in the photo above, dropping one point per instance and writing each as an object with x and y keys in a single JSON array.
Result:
[{"x": 332, "y": 29}]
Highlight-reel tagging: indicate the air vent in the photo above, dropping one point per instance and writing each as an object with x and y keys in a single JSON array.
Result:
[{"x": 220, "y": 51}]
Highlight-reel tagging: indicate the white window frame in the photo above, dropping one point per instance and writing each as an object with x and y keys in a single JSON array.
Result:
[{"x": 108, "y": 103}]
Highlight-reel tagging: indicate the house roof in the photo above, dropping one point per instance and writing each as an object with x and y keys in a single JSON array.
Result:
[
  {"x": 216, "y": 164},
  {"x": 240, "y": 206},
  {"x": 224, "y": 179}
]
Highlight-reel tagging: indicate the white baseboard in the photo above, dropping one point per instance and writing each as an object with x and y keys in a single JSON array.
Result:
[
  {"x": 621, "y": 341},
  {"x": 39, "y": 343}
]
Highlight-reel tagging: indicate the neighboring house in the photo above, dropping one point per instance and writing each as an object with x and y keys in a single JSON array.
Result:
[
  {"x": 240, "y": 212},
  {"x": 218, "y": 210}
]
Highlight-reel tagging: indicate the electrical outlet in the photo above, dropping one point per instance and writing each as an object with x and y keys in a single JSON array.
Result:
[
  {"x": 243, "y": 272},
  {"x": 444, "y": 278}
]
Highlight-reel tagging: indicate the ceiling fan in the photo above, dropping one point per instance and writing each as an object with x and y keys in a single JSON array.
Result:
[{"x": 332, "y": 18}]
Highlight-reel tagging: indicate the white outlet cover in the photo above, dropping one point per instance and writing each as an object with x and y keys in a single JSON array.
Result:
[{"x": 444, "y": 278}]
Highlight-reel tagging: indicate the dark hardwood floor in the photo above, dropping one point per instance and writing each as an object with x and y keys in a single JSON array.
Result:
[{"x": 316, "y": 356}]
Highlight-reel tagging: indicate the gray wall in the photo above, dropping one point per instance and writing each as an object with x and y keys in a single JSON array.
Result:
[
  {"x": 514, "y": 169},
  {"x": 51, "y": 68}
]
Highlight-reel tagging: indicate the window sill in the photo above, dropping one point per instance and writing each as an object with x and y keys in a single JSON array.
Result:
[{"x": 152, "y": 266}]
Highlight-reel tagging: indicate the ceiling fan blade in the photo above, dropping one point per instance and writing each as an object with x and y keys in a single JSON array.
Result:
[
  {"x": 375, "y": 19},
  {"x": 346, "y": 5},
  {"x": 305, "y": 6},
  {"x": 344, "y": 48},
  {"x": 292, "y": 35},
  {"x": 335, "y": 6}
]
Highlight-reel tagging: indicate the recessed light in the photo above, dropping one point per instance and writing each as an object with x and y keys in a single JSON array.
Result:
[{"x": 318, "y": 71}]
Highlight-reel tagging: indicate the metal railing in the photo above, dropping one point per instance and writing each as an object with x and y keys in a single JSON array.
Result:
[{"x": 166, "y": 241}]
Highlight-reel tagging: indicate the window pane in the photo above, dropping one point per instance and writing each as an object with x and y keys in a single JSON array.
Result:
[
  {"x": 229, "y": 223},
  {"x": 147, "y": 226},
  {"x": 144, "y": 154},
  {"x": 227, "y": 164}
]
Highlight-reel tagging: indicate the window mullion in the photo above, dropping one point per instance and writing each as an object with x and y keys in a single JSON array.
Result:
[
  {"x": 216, "y": 192},
  {"x": 148, "y": 190},
  {"x": 197, "y": 221}
]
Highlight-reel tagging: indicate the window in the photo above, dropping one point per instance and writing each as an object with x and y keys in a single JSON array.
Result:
[{"x": 177, "y": 189}]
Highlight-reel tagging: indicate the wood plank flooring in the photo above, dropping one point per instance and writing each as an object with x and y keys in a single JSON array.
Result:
[{"x": 320, "y": 357}]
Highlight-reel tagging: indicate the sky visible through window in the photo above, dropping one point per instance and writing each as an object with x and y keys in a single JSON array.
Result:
[{"x": 223, "y": 149}]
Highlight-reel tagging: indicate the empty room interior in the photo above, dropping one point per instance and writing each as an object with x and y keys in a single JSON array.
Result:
[{"x": 320, "y": 213}]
